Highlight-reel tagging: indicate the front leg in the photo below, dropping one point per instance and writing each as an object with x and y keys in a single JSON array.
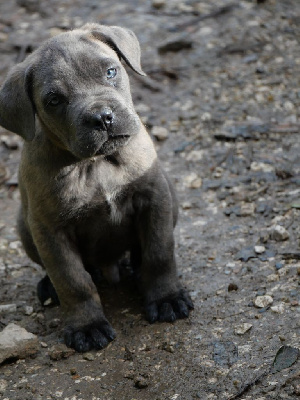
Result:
[
  {"x": 85, "y": 324},
  {"x": 165, "y": 299}
]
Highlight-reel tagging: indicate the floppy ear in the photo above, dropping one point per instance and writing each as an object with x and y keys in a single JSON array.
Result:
[
  {"x": 16, "y": 108},
  {"x": 123, "y": 41}
]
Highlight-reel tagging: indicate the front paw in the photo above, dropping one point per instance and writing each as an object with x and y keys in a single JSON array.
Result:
[
  {"x": 96, "y": 335},
  {"x": 170, "y": 308}
]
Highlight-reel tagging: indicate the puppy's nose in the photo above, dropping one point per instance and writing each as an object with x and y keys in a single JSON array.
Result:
[{"x": 102, "y": 119}]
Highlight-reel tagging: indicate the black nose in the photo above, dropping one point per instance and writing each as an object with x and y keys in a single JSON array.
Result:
[{"x": 102, "y": 119}]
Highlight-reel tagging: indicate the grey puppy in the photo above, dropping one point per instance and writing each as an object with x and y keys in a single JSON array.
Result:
[{"x": 91, "y": 185}]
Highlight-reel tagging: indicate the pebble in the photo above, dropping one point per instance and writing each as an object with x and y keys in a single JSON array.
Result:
[
  {"x": 242, "y": 329},
  {"x": 263, "y": 301},
  {"x": 279, "y": 233},
  {"x": 206, "y": 116},
  {"x": 193, "y": 181},
  {"x": 279, "y": 265},
  {"x": 247, "y": 209},
  {"x": 141, "y": 382},
  {"x": 289, "y": 106},
  {"x": 196, "y": 183},
  {"x": 186, "y": 205},
  {"x": 160, "y": 133},
  {"x": 88, "y": 357},
  {"x": 259, "y": 249},
  {"x": 16, "y": 342},
  {"x": 60, "y": 351},
  {"x": 195, "y": 155},
  {"x": 272, "y": 278},
  {"x": 28, "y": 310},
  {"x": 3, "y": 385},
  {"x": 158, "y": 4},
  {"x": 259, "y": 166},
  {"x": 3, "y": 37},
  {"x": 278, "y": 309},
  {"x": 8, "y": 308}
]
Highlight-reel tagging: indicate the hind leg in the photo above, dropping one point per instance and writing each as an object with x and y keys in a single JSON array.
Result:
[
  {"x": 27, "y": 240},
  {"x": 45, "y": 289}
]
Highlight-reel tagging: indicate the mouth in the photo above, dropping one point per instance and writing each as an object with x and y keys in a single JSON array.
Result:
[{"x": 112, "y": 143}]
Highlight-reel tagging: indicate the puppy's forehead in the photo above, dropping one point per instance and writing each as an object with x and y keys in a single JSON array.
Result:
[{"x": 74, "y": 55}]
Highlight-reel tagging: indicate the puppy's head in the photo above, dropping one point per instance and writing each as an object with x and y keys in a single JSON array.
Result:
[{"x": 77, "y": 87}]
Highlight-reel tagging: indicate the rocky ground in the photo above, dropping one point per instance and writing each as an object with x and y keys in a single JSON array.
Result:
[{"x": 223, "y": 83}]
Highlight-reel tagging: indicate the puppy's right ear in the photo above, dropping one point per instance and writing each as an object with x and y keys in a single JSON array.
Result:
[{"x": 16, "y": 109}]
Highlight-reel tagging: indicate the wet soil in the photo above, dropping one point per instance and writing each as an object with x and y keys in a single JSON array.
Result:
[{"x": 223, "y": 79}]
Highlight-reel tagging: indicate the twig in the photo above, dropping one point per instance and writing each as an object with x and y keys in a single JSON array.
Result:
[
  {"x": 214, "y": 14},
  {"x": 249, "y": 385}
]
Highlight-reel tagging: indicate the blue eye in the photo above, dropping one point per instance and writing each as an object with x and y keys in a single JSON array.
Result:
[
  {"x": 54, "y": 100},
  {"x": 111, "y": 73}
]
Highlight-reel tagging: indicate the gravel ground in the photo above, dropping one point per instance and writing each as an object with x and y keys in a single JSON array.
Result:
[{"x": 223, "y": 83}]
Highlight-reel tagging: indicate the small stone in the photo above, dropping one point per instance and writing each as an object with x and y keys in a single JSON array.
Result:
[
  {"x": 242, "y": 329},
  {"x": 55, "y": 31},
  {"x": 259, "y": 249},
  {"x": 195, "y": 155},
  {"x": 263, "y": 301},
  {"x": 141, "y": 382},
  {"x": 232, "y": 287},
  {"x": 279, "y": 233},
  {"x": 196, "y": 183},
  {"x": 28, "y": 310},
  {"x": 3, "y": 385},
  {"x": 247, "y": 209},
  {"x": 289, "y": 106},
  {"x": 206, "y": 116},
  {"x": 3, "y": 37},
  {"x": 60, "y": 351},
  {"x": 16, "y": 342},
  {"x": 73, "y": 371},
  {"x": 160, "y": 133},
  {"x": 186, "y": 205},
  {"x": 279, "y": 265},
  {"x": 259, "y": 166},
  {"x": 264, "y": 237},
  {"x": 193, "y": 181},
  {"x": 129, "y": 374},
  {"x": 88, "y": 357},
  {"x": 44, "y": 344},
  {"x": 278, "y": 309},
  {"x": 54, "y": 323},
  {"x": 273, "y": 278},
  {"x": 158, "y": 4},
  {"x": 8, "y": 308}
]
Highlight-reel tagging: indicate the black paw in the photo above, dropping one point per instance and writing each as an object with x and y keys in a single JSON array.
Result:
[
  {"x": 170, "y": 308},
  {"x": 45, "y": 291},
  {"x": 93, "y": 336}
]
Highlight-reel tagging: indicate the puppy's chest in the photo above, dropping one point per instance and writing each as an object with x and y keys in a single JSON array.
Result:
[{"x": 102, "y": 193}]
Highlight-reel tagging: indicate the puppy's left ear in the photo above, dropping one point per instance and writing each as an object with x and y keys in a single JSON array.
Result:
[
  {"x": 122, "y": 40},
  {"x": 16, "y": 109}
]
